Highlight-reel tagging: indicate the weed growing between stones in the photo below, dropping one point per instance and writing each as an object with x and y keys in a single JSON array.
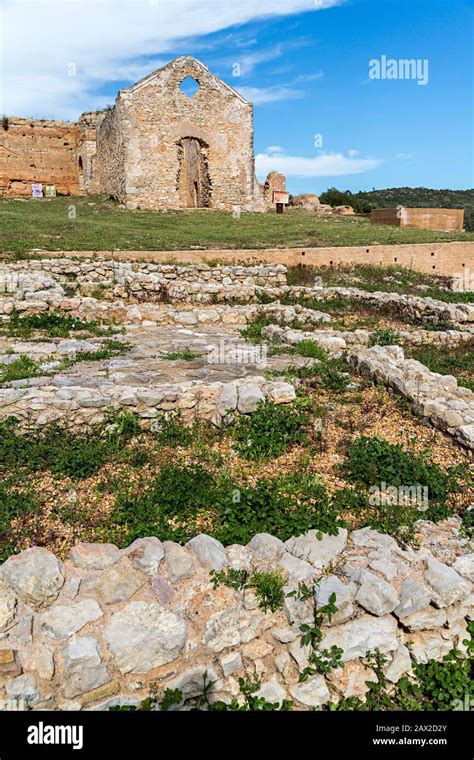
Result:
[
  {"x": 267, "y": 586},
  {"x": 320, "y": 661},
  {"x": 19, "y": 369},
  {"x": 185, "y": 355}
]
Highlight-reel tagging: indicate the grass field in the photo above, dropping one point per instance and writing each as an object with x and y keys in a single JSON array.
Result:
[{"x": 101, "y": 224}]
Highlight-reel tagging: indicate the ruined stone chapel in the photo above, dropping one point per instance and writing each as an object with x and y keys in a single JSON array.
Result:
[{"x": 179, "y": 138}]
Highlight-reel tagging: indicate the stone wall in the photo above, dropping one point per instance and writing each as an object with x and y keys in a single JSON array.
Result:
[
  {"x": 103, "y": 626},
  {"x": 153, "y": 117},
  {"x": 88, "y": 125},
  {"x": 38, "y": 151},
  {"x": 434, "y": 258}
]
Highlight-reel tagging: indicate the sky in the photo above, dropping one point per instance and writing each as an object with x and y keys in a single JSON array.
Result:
[{"x": 334, "y": 102}]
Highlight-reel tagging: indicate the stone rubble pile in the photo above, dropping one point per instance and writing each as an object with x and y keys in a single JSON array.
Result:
[
  {"x": 101, "y": 627},
  {"x": 436, "y": 397}
]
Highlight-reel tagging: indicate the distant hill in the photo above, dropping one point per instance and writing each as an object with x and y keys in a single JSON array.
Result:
[{"x": 414, "y": 197}]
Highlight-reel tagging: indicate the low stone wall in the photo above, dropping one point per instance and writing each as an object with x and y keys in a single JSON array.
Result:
[
  {"x": 438, "y": 398},
  {"x": 103, "y": 626},
  {"x": 38, "y": 279},
  {"x": 119, "y": 312},
  {"x": 337, "y": 341},
  {"x": 46, "y": 400},
  {"x": 414, "y": 307}
]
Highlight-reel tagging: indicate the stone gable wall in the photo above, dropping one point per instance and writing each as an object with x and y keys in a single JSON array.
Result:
[{"x": 155, "y": 115}]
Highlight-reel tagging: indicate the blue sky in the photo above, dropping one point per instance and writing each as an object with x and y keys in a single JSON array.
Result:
[{"x": 305, "y": 68}]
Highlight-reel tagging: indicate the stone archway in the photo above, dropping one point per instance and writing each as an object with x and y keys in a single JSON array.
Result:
[{"x": 194, "y": 184}]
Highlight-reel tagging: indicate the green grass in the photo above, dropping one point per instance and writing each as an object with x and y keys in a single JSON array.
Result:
[
  {"x": 102, "y": 225},
  {"x": 53, "y": 324},
  {"x": 185, "y": 355},
  {"x": 19, "y": 369}
]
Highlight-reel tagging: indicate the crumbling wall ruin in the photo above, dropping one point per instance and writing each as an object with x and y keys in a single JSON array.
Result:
[{"x": 38, "y": 151}]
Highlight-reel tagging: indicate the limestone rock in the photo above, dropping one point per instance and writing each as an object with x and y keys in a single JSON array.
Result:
[
  {"x": 426, "y": 619},
  {"x": 23, "y": 691},
  {"x": 117, "y": 583},
  {"x": 250, "y": 395},
  {"x": 312, "y": 693},
  {"x": 272, "y": 691},
  {"x": 36, "y": 575},
  {"x": 83, "y": 666},
  {"x": 179, "y": 562},
  {"x": 62, "y": 621},
  {"x": 318, "y": 552},
  {"x": 414, "y": 596},
  {"x": 146, "y": 554},
  {"x": 143, "y": 636},
  {"x": 375, "y": 595},
  {"x": 465, "y": 566},
  {"x": 231, "y": 662},
  {"x": 94, "y": 556},
  {"x": 362, "y": 635},
  {"x": 400, "y": 665},
  {"x": 267, "y": 547},
  {"x": 344, "y": 598},
  {"x": 8, "y": 605},
  {"x": 296, "y": 569},
  {"x": 209, "y": 551},
  {"x": 447, "y": 584},
  {"x": 40, "y": 660}
]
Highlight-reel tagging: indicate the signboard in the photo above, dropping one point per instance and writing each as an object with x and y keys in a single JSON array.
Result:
[
  {"x": 280, "y": 196},
  {"x": 50, "y": 191},
  {"x": 37, "y": 190}
]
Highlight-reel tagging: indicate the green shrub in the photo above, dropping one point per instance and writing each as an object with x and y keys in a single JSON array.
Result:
[
  {"x": 171, "y": 430},
  {"x": 184, "y": 355},
  {"x": 373, "y": 461},
  {"x": 310, "y": 349},
  {"x": 387, "y": 337},
  {"x": 269, "y": 430},
  {"x": 268, "y": 586},
  {"x": 173, "y": 505},
  {"x": 61, "y": 450}
]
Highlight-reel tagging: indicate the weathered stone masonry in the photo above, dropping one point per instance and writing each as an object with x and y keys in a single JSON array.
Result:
[
  {"x": 104, "y": 625},
  {"x": 158, "y": 147}
]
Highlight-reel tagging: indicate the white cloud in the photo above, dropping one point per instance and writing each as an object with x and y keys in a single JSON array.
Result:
[
  {"x": 259, "y": 95},
  {"x": 275, "y": 150},
  {"x": 325, "y": 165},
  {"x": 108, "y": 40},
  {"x": 403, "y": 156},
  {"x": 352, "y": 153}
]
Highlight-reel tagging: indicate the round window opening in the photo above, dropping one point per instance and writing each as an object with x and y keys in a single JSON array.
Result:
[{"x": 189, "y": 87}]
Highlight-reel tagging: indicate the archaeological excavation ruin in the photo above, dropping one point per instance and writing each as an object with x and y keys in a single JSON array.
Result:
[
  {"x": 157, "y": 550},
  {"x": 180, "y": 138}
]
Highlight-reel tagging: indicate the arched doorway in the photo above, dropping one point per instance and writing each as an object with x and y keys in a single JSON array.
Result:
[{"x": 194, "y": 183}]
